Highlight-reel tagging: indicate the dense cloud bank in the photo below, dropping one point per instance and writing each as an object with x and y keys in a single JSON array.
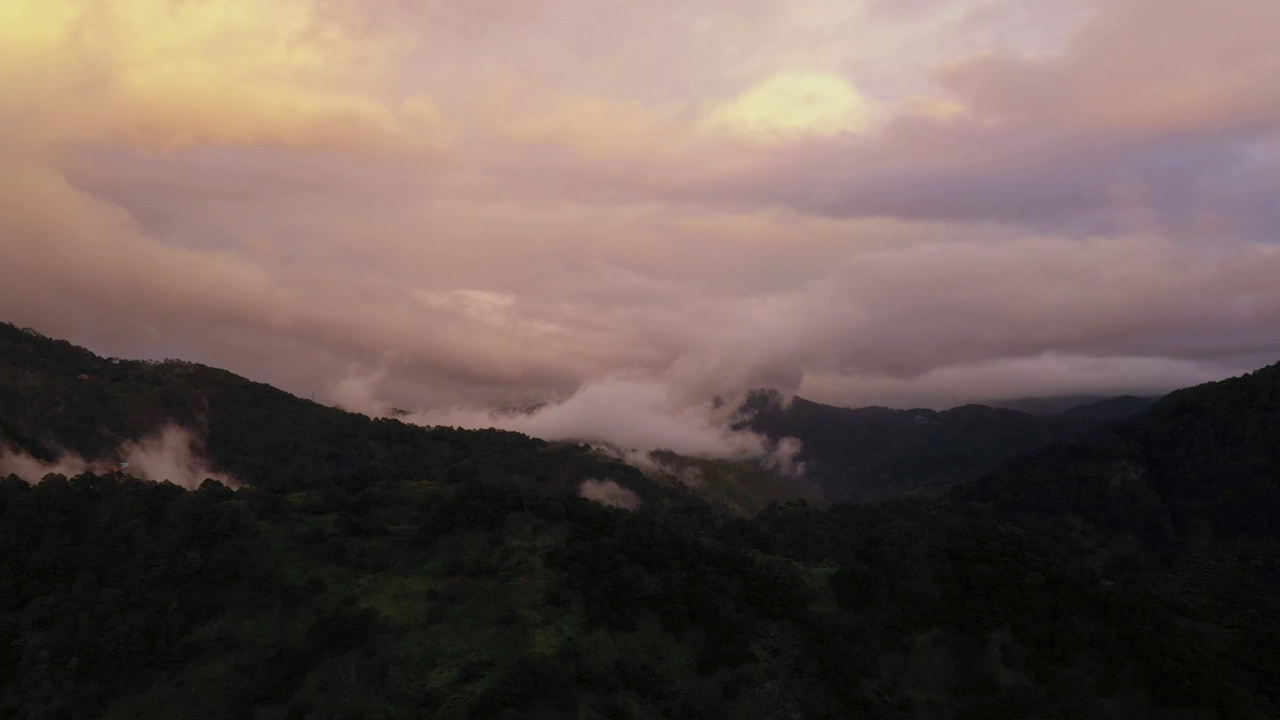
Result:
[{"x": 867, "y": 203}]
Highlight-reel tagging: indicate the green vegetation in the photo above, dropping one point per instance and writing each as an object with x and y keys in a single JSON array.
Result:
[
  {"x": 740, "y": 487},
  {"x": 377, "y": 570}
]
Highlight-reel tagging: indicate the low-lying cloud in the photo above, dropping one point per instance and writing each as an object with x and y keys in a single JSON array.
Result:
[
  {"x": 608, "y": 492},
  {"x": 33, "y": 470},
  {"x": 655, "y": 463},
  {"x": 625, "y": 413},
  {"x": 784, "y": 460},
  {"x": 167, "y": 455},
  {"x": 170, "y": 455},
  {"x": 629, "y": 417}
]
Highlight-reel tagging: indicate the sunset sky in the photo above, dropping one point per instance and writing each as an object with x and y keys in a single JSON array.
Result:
[{"x": 499, "y": 202}]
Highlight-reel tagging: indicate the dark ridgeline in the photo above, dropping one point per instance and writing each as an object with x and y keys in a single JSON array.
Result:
[
  {"x": 1201, "y": 465},
  {"x": 1103, "y": 407},
  {"x": 876, "y": 453},
  {"x": 56, "y": 397},
  {"x": 374, "y": 569}
]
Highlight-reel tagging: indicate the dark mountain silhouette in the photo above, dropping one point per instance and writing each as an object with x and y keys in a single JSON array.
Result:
[
  {"x": 1194, "y": 482},
  {"x": 1202, "y": 461},
  {"x": 1058, "y": 404},
  {"x": 875, "y": 453},
  {"x": 375, "y": 569},
  {"x": 1110, "y": 409},
  {"x": 57, "y": 398}
]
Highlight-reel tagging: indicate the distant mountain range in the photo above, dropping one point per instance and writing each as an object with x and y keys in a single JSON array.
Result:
[
  {"x": 1122, "y": 406},
  {"x": 875, "y": 453}
]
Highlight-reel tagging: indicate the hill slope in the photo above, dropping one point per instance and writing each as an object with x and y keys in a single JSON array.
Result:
[
  {"x": 742, "y": 487},
  {"x": 57, "y": 398},
  {"x": 874, "y": 453},
  {"x": 1204, "y": 458},
  {"x": 401, "y": 572},
  {"x": 1185, "y": 499},
  {"x": 1058, "y": 405}
]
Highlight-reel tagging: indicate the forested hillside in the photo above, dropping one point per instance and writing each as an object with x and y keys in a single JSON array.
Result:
[
  {"x": 57, "y": 398},
  {"x": 371, "y": 569},
  {"x": 1200, "y": 466},
  {"x": 1193, "y": 484},
  {"x": 876, "y": 453}
]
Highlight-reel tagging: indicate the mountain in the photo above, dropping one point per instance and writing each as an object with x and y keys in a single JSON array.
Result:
[
  {"x": 1185, "y": 498},
  {"x": 371, "y": 569},
  {"x": 56, "y": 398},
  {"x": 1111, "y": 409},
  {"x": 741, "y": 487},
  {"x": 875, "y": 453},
  {"x": 1200, "y": 463},
  {"x": 1058, "y": 404}
]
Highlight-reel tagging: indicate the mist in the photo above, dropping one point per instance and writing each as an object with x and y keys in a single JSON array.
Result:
[
  {"x": 627, "y": 416},
  {"x": 610, "y": 493},
  {"x": 168, "y": 455},
  {"x": 14, "y": 462}
]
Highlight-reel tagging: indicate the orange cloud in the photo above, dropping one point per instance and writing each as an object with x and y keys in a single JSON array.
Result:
[{"x": 160, "y": 75}]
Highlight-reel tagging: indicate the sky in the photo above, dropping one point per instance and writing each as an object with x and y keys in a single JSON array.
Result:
[{"x": 449, "y": 207}]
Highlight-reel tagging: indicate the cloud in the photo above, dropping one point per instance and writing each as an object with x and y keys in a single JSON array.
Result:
[
  {"x": 782, "y": 459},
  {"x": 595, "y": 128},
  {"x": 791, "y": 105},
  {"x": 1138, "y": 65},
  {"x": 627, "y": 417},
  {"x": 496, "y": 204},
  {"x": 33, "y": 470},
  {"x": 160, "y": 75},
  {"x": 170, "y": 455},
  {"x": 1086, "y": 133},
  {"x": 1047, "y": 375},
  {"x": 689, "y": 475},
  {"x": 167, "y": 455},
  {"x": 1073, "y": 138},
  {"x": 626, "y": 413},
  {"x": 357, "y": 391},
  {"x": 608, "y": 492}
]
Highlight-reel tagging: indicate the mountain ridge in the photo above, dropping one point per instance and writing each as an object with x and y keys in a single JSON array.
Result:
[
  {"x": 875, "y": 453},
  {"x": 375, "y": 569}
]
